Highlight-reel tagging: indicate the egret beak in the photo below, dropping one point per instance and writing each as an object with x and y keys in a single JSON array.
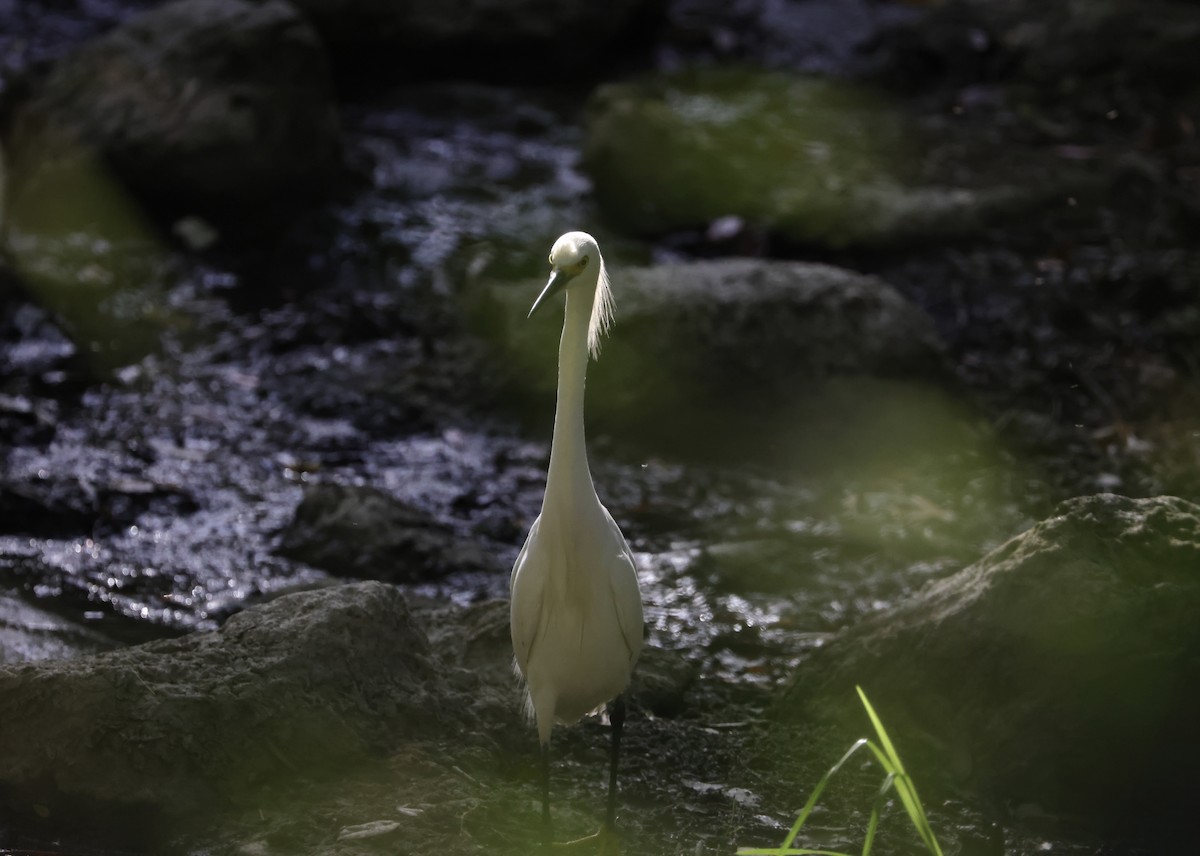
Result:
[{"x": 558, "y": 281}]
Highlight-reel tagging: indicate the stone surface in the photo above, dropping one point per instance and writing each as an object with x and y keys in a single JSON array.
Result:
[
  {"x": 720, "y": 343},
  {"x": 1062, "y": 43},
  {"x": 1054, "y": 50},
  {"x": 211, "y": 106},
  {"x": 297, "y": 687},
  {"x": 817, "y": 162},
  {"x": 358, "y": 531},
  {"x": 322, "y": 715},
  {"x": 1059, "y": 673}
]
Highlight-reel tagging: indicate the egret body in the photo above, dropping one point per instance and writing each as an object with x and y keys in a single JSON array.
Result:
[{"x": 576, "y": 610}]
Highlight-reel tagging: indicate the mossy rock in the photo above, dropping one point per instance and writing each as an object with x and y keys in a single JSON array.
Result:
[
  {"x": 1060, "y": 673},
  {"x": 819, "y": 162},
  {"x": 704, "y": 356}
]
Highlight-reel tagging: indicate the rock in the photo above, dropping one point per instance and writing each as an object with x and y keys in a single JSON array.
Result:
[
  {"x": 29, "y": 633},
  {"x": 358, "y": 531},
  {"x": 820, "y": 163},
  {"x": 217, "y": 107},
  {"x": 373, "y": 829},
  {"x": 85, "y": 502},
  {"x": 1150, "y": 42},
  {"x": 720, "y": 344},
  {"x": 475, "y": 645},
  {"x": 25, "y": 421},
  {"x": 1055, "y": 47},
  {"x": 661, "y": 681},
  {"x": 1059, "y": 674},
  {"x": 943, "y": 45},
  {"x": 832, "y": 37},
  {"x": 300, "y": 686},
  {"x": 480, "y": 37},
  {"x": 1144, "y": 42}
]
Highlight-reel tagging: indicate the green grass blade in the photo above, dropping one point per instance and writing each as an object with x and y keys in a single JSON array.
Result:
[
  {"x": 884, "y": 740},
  {"x": 897, "y": 778},
  {"x": 882, "y": 758},
  {"x": 787, "y": 851},
  {"x": 916, "y": 812},
  {"x": 786, "y": 848},
  {"x": 904, "y": 785},
  {"x": 873, "y": 823},
  {"x": 812, "y": 800}
]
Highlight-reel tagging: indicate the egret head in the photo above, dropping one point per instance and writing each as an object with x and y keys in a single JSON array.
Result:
[{"x": 576, "y": 263}]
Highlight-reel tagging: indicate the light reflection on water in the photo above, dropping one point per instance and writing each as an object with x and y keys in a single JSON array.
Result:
[{"x": 765, "y": 571}]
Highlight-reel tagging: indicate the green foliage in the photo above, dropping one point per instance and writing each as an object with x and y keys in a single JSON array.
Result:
[{"x": 897, "y": 778}]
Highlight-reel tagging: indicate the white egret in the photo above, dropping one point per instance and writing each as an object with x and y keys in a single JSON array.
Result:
[{"x": 576, "y": 610}]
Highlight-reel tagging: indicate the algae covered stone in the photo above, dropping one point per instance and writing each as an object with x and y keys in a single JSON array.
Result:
[
  {"x": 819, "y": 162},
  {"x": 708, "y": 350},
  {"x": 1061, "y": 670}
]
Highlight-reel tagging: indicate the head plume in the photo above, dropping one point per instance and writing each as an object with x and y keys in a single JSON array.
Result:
[
  {"x": 602, "y": 311},
  {"x": 578, "y": 253}
]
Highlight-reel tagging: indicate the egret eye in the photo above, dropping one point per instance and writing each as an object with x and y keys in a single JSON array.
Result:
[{"x": 583, "y": 263}]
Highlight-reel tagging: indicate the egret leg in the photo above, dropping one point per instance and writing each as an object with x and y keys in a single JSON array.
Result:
[
  {"x": 547, "y": 828},
  {"x": 616, "y": 716}
]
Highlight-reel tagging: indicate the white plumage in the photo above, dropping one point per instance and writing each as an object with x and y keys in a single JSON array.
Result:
[{"x": 576, "y": 610}]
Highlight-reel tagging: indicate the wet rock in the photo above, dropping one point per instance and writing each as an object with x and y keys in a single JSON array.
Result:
[
  {"x": 120, "y": 596},
  {"x": 28, "y": 633},
  {"x": 661, "y": 681},
  {"x": 1062, "y": 49},
  {"x": 948, "y": 44},
  {"x": 36, "y": 32},
  {"x": 1150, "y": 42},
  {"x": 303, "y": 685},
  {"x": 103, "y": 288},
  {"x": 476, "y": 637},
  {"x": 199, "y": 105},
  {"x": 481, "y": 36},
  {"x": 57, "y": 504},
  {"x": 358, "y": 531},
  {"x": 31, "y": 345},
  {"x": 474, "y": 642},
  {"x": 834, "y": 37},
  {"x": 26, "y": 421},
  {"x": 1059, "y": 674},
  {"x": 702, "y": 350},
  {"x": 817, "y": 162},
  {"x": 1063, "y": 43}
]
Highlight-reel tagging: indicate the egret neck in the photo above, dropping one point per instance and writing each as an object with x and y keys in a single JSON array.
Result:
[{"x": 568, "y": 452}]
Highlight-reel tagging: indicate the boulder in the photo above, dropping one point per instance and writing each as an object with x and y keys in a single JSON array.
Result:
[
  {"x": 703, "y": 350},
  {"x": 358, "y": 531},
  {"x": 297, "y": 687},
  {"x": 219, "y": 107},
  {"x": 1058, "y": 675},
  {"x": 818, "y": 162},
  {"x": 325, "y": 710}
]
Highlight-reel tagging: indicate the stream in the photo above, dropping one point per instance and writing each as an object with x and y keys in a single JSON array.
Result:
[{"x": 161, "y": 422}]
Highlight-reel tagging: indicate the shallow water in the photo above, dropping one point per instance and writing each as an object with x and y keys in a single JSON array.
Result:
[{"x": 166, "y": 453}]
